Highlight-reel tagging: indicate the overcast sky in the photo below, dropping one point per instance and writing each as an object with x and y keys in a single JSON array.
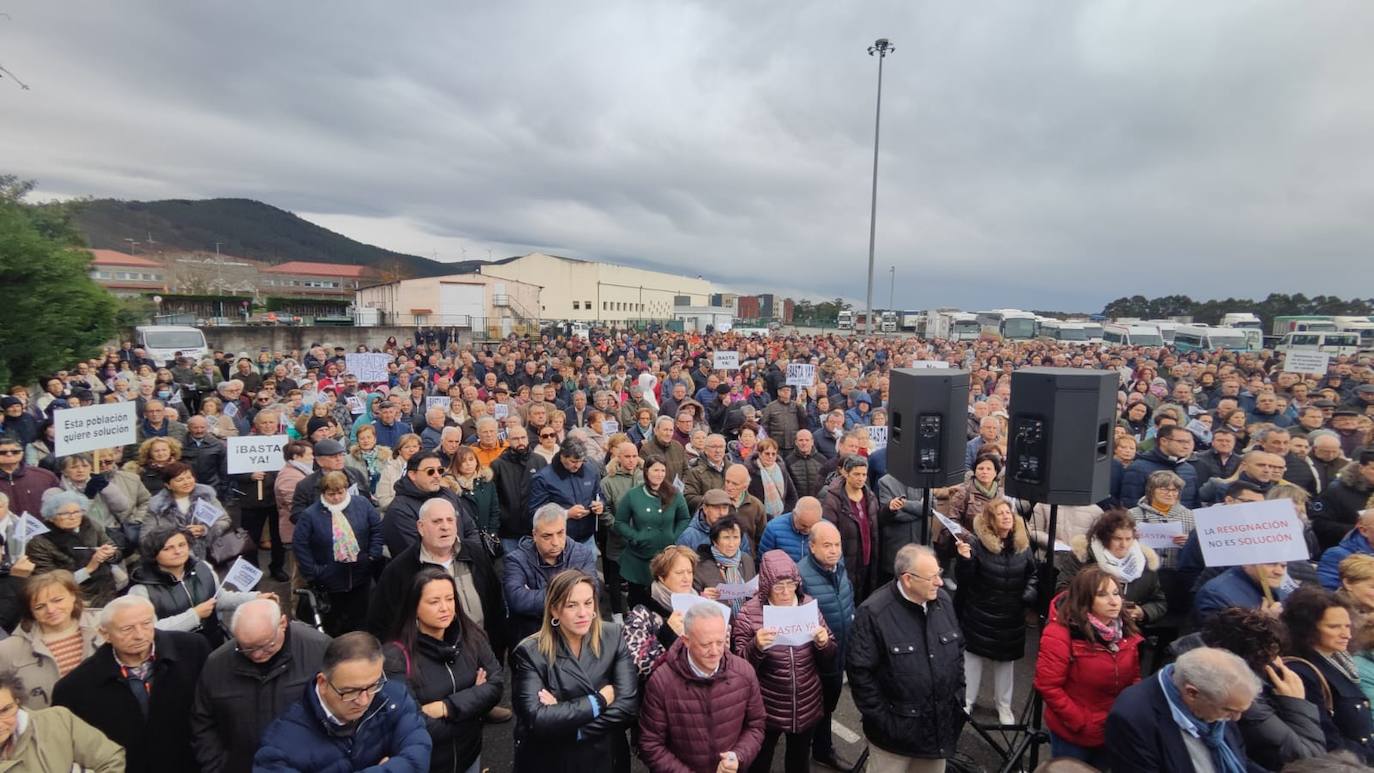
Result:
[{"x": 1051, "y": 155}]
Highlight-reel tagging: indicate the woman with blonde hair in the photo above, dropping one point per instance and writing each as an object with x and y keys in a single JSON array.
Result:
[
  {"x": 394, "y": 468},
  {"x": 1357, "y": 588},
  {"x": 153, "y": 455},
  {"x": 574, "y": 688},
  {"x": 470, "y": 480},
  {"x": 221, "y": 426},
  {"x": 367, "y": 457}
]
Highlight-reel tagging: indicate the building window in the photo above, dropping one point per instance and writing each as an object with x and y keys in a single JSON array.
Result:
[
  {"x": 589, "y": 305},
  {"x": 575, "y": 305}
]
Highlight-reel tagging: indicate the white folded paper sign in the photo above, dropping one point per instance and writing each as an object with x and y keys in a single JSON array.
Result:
[
  {"x": 734, "y": 591},
  {"x": 685, "y": 601},
  {"x": 242, "y": 575},
  {"x": 205, "y": 512},
  {"x": 950, "y": 525},
  {"x": 1158, "y": 535},
  {"x": 795, "y": 625}
]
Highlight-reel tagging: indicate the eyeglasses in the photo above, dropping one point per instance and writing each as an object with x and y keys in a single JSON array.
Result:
[
  {"x": 259, "y": 648},
  {"x": 353, "y": 693},
  {"x": 546, "y": 435},
  {"x": 938, "y": 574}
]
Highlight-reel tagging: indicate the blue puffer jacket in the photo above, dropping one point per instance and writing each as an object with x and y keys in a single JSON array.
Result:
[
  {"x": 1329, "y": 571},
  {"x": 834, "y": 594},
  {"x": 392, "y": 728},
  {"x": 698, "y": 533},
  {"x": 556, "y": 483},
  {"x": 524, "y": 577},
  {"x": 1133, "y": 479},
  {"x": 779, "y": 535}
]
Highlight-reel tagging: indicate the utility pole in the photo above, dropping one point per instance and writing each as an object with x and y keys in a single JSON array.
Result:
[
  {"x": 891, "y": 287},
  {"x": 881, "y": 47}
]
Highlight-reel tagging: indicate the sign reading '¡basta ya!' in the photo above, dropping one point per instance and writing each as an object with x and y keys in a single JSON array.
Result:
[{"x": 255, "y": 453}]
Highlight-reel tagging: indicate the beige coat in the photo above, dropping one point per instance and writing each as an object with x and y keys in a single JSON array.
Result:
[
  {"x": 25, "y": 653},
  {"x": 57, "y": 741}
]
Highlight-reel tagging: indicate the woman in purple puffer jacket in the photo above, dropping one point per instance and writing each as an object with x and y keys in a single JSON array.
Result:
[{"x": 789, "y": 676}]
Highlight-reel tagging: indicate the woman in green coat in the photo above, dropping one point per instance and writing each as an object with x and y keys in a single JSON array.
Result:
[{"x": 649, "y": 518}]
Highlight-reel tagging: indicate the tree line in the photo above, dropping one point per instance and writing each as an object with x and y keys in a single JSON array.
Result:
[{"x": 1210, "y": 312}]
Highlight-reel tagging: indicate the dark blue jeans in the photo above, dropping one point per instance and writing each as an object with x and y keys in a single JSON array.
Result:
[{"x": 1097, "y": 757}]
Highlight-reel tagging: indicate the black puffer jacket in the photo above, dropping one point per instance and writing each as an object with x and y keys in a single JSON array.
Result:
[
  {"x": 511, "y": 472},
  {"x": 906, "y": 673},
  {"x": 996, "y": 585},
  {"x": 1335, "y": 512},
  {"x": 447, "y": 671},
  {"x": 806, "y": 472}
]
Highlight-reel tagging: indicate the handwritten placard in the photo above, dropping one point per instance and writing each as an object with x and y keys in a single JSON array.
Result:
[
  {"x": 77, "y": 430},
  {"x": 370, "y": 368},
  {"x": 437, "y": 402},
  {"x": 738, "y": 591},
  {"x": 1158, "y": 535},
  {"x": 878, "y": 436},
  {"x": 725, "y": 360},
  {"x": 1250, "y": 533},
  {"x": 1307, "y": 363},
  {"x": 609, "y": 427},
  {"x": 795, "y": 625},
  {"x": 801, "y": 374},
  {"x": 500, "y": 411}
]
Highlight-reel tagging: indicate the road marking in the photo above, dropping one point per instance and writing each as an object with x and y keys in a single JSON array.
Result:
[{"x": 845, "y": 734}]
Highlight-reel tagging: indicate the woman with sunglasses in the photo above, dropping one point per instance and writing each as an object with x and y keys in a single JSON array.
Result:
[{"x": 548, "y": 444}]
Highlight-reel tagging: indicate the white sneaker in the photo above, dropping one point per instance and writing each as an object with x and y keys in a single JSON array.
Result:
[
  {"x": 969, "y": 709},
  {"x": 1005, "y": 717}
]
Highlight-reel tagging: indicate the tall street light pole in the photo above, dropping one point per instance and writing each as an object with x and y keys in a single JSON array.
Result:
[
  {"x": 882, "y": 47},
  {"x": 891, "y": 287}
]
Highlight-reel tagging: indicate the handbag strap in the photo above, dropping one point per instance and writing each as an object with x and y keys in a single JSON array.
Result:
[{"x": 1327, "y": 700}]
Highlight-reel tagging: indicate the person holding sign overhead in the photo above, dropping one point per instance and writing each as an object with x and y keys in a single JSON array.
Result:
[
  {"x": 186, "y": 593},
  {"x": 789, "y": 674}
]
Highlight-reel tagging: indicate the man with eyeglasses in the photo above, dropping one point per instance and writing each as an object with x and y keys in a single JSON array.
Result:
[
  {"x": 24, "y": 485},
  {"x": 706, "y": 472},
  {"x": 350, "y": 718},
  {"x": 905, "y": 663},
  {"x": 422, "y": 482},
  {"x": 249, "y": 681},
  {"x": 137, "y": 688},
  {"x": 1174, "y": 448}
]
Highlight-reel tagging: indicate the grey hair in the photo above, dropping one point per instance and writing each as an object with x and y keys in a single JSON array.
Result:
[
  {"x": 1315, "y": 435},
  {"x": 117, "y": 605},
  {"x": 906, "y": 557},
  {"x": 56, "y": 499},
  {"x": 548, "y": 514},
  {"x": 435, "y": 411},
  {"x": 259, "y": 607},
  {"x": 230, "y": 384},
  {"x": 432, "y": 504},
  {"x": 702, "y": 610},
  {"x": 451, "y": 431},
  {"x": 487, "y": 421},
  {"x": 1163, "y": 479},
  {"x": 659, "y": 421},
  {"x": 1271, "y": 430},
  {"x": 1214, "y": 673}
]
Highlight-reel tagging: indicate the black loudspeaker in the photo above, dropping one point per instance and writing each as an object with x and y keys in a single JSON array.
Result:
[
  {"x": 1060, "y": 444},
  {"x": 927, "y": 426}
]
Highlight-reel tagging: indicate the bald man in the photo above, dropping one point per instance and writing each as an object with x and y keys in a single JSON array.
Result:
[
  {"x": 823, "y": 578},
  {"x": 789, "y": 531},
  {"x": 251, "y": 679}
]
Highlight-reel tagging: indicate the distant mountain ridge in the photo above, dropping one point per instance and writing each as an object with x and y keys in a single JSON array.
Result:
[{"x": 244, "y": 228}]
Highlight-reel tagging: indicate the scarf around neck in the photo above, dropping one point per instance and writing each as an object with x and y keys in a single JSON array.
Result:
[
  {"x": 729, "y": 572},
  {"x": 1212, "y": 734},
  {"x": 1128, "y": 569},
  {"x": 662, "y": 596},
  {"x": 345, "y": 545},
  {"x": 1108, "y": 631}
]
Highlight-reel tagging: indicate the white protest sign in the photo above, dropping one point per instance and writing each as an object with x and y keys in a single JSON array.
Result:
[
  {"x": 500, "y": 411},
  {"x": 950, "y": 524},
  {"x": 685, "y": 601},
  {"x": 370, "y": 368},
  {"x": 1158, "y": 535},
  {"x": 205, "y": 512},
  {"x": 725, "y": 360},
  {"x": 1060, "y": 547},
  {"x": 879, "y": 437},
  {"x": 437, "y": 402},
  {"x": 929, "y": 364},
  {"x": 1250, "y": 533},
  {"x": 609, "y": 427},
  {"x": 231, "y": 409},
  {"x": 801, "y": 375},
  {"x": 1307, "y": 363},
  {"x": 30, "y": 527},
  {"x": 243, "y": 575},
  {"x": 255, "y": 453},
  {"x": 355, "y": 404},
  {"x": 353, "y": 490},
  {"x": 795, "y": 625},
  {"x": 738, "y": 591},
  {"x": 678, "y": 484},
  {"x": 77, "y": 430}
]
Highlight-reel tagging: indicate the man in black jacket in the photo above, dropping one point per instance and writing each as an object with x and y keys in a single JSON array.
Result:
[
  {"x": 248, "y": 682},
  {"x": 511, "y": 472},
  {"x": 421, "y": 484},
  {"x": 1219, "y": 461},
  {"x": 329, "y": 457},
  {"x": 906, "y": 666},
  {"x": 138, "y": 687}
]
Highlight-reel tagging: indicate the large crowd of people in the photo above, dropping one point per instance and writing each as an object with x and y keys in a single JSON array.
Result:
[{"x": 641, "y": 559}]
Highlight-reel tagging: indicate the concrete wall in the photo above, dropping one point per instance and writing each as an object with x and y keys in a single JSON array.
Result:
[{"x": 283, "y": 338}]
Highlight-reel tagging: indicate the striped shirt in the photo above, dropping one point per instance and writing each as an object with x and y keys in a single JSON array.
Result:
[{"x": 67, "y": 651}]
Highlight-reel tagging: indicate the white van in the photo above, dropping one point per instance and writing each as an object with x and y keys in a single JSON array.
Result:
[
  {"x": 1336, "y": 343},
  {"x": 162, "y": 342},
  {"x": 1132, "y": 334}
]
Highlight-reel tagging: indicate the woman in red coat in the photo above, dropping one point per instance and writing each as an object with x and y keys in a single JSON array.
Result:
[
  {"x": 1089, "y": 653},
  {"x": 789, "y": 675}
]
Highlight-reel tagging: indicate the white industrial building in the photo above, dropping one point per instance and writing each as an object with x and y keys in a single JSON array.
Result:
[
  {"x": 485, "y": 304},
  {"x": 592, "y": 291}
]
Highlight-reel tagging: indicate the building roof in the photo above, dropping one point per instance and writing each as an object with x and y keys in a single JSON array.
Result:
[
  {"x": 116, "y": 258},
  {"x": 320, "y": 269}
]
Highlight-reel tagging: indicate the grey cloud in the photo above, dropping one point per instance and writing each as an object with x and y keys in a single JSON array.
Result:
[{"x": 1032, "y": 155}]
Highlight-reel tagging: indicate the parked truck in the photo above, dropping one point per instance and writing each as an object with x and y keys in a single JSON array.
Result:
[{"x": 952, "y": 325}]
